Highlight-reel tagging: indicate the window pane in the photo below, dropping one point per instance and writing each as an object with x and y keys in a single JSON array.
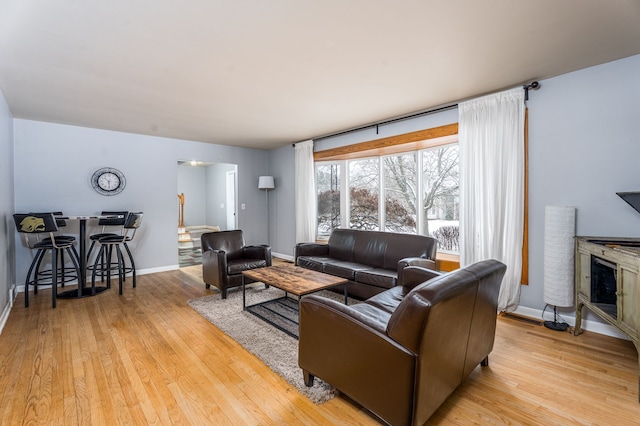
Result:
[
  {"x": 441, "y": 183},
  {"x": 328, "y": 187},
  {"x": 364, "y": 181},
  {"x": 400, "y": 182}
]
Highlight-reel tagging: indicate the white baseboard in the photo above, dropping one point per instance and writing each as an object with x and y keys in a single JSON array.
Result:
[
  {"x": 4, "y": 316},
  {"x": 282, "y": 256},
  {"x": 155, "y": 270},
  {"x": 20, "y": 288},
  {"x": 594, "y": 326}
]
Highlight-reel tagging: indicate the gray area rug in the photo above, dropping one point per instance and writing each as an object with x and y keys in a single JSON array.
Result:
[{"x": 276, "y": 349}]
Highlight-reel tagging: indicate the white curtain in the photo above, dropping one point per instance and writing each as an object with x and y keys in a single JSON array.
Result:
[
  {"x": 305, "y": 193},
  {"x": 491, "y": 140}
]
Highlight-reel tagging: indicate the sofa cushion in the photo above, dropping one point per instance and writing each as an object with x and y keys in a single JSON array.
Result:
[
  {"x": 378, "y": 277},
  {"x": 315, "y": 263},
  {"x": 344, "y": 269}
]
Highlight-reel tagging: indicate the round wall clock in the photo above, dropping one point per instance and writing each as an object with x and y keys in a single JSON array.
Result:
[{"x": 108, "y": 181}]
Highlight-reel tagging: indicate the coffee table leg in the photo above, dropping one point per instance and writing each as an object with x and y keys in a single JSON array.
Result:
[
  {"x": 244, "y": 301},
  {"x": 346, "y": 293}
]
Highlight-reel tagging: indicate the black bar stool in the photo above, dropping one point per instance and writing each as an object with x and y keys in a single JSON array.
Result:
[
  {"x": 67, "y": 273},
  {"x": 111, "y": 226},
  {"x": 32, "y": 226},
  {"x": 110, "y": 243}
]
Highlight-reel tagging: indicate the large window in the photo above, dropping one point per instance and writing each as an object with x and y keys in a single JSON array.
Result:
[{"x": 384, "y": 192}]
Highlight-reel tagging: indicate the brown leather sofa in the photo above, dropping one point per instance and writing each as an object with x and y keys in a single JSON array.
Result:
[
  {"x": 401, "y": 353},
  {"x": 372, "y": 261},
  {"x": 225, "y": 256}
]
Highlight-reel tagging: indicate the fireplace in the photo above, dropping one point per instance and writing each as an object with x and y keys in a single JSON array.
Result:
[{"x": 604, "y": 285}]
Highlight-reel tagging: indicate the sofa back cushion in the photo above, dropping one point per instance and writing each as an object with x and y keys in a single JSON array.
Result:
[
  {"x": 379, "y": 249},
  {"x": 370, "y": 248},
  {"x": 400, "y": 246},
  {"x": 341, "y": 244}
]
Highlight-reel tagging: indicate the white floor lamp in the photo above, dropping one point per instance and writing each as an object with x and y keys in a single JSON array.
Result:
[
  {"x": 266, "y": 183},
  {"x": 559, "y": 233}
]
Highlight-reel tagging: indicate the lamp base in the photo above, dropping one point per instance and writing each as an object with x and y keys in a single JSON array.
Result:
[{"x": 557, "y": 326}]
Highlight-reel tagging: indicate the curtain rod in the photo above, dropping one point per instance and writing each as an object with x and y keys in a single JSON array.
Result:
[
  {"x": 382, "y": 123},
  {"x": 529, "y": 86}
]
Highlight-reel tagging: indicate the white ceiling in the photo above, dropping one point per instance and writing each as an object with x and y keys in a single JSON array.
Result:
[{"x": 265, "y": 73}]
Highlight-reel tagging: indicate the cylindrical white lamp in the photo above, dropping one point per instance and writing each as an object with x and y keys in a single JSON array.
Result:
[{"x": 559, "y": 260}]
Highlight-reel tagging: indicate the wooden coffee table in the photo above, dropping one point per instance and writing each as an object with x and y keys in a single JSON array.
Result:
[{"x": 293, "y": 280}]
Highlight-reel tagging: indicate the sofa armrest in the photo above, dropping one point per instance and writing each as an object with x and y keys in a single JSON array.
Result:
[
  {"x": 258, "y": 252},
  {"x": 310, "y": 249},
  {"x": 414, "y": 261},
  {"x": 411, "y": 276}
]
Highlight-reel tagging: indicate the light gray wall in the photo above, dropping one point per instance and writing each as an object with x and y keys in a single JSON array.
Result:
[
  {"x": 7, "y": 244},
  {"x": 53, "y": 164},
  {"x": 282, "y": 201},
  {"x": 584, "y": 146},
  {"x": 192, "y": 183},
  {"x": 584, "y": 130}
]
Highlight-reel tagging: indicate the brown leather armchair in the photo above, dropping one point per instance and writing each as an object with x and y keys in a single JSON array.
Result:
[
  {"x": 402, "y": 352},
  {"x": 225, "y": 256}
]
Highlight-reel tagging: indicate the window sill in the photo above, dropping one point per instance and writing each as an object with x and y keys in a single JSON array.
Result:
[{"x": 447, "y": 262}]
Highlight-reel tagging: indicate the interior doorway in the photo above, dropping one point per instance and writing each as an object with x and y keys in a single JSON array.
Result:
[
  {"x": 231, "y": 200},
  {"x": 206, "y": 202}
]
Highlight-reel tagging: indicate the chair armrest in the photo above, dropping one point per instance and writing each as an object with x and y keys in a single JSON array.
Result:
[
  {"x": 257, "y": 252},
  {"x": 214, "y": 266},
  {"x": 348, "y": 350},
  {"x": 310, "y": 249},
  {"x": 411, "y": 276}
]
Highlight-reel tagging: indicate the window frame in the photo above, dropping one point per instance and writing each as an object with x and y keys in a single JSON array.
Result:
[{"x": 415, "y": 141}]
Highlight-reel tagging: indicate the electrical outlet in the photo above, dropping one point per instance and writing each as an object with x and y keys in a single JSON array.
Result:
[
  {"x": 221, "y": 206},
  {"x": 242, "y": 206}
]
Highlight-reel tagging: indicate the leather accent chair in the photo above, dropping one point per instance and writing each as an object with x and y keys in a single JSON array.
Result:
[
  {"x": 402, "y": 352},
  {"x": 225, "y": 255}
]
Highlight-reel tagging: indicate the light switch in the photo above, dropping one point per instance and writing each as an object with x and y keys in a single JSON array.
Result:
[
  {"x": 242, "y": 206},
  {"x": 221, "y": 206}
]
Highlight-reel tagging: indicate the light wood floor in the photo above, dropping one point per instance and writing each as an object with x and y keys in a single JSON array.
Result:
[{"x": 147, "y": 358}]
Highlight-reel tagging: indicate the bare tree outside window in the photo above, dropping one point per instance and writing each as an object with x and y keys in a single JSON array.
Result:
[
  {"x": 441, "y": 183},
  {"x": 364, "y": 189},
  {"x": 401, "y": 194}
]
